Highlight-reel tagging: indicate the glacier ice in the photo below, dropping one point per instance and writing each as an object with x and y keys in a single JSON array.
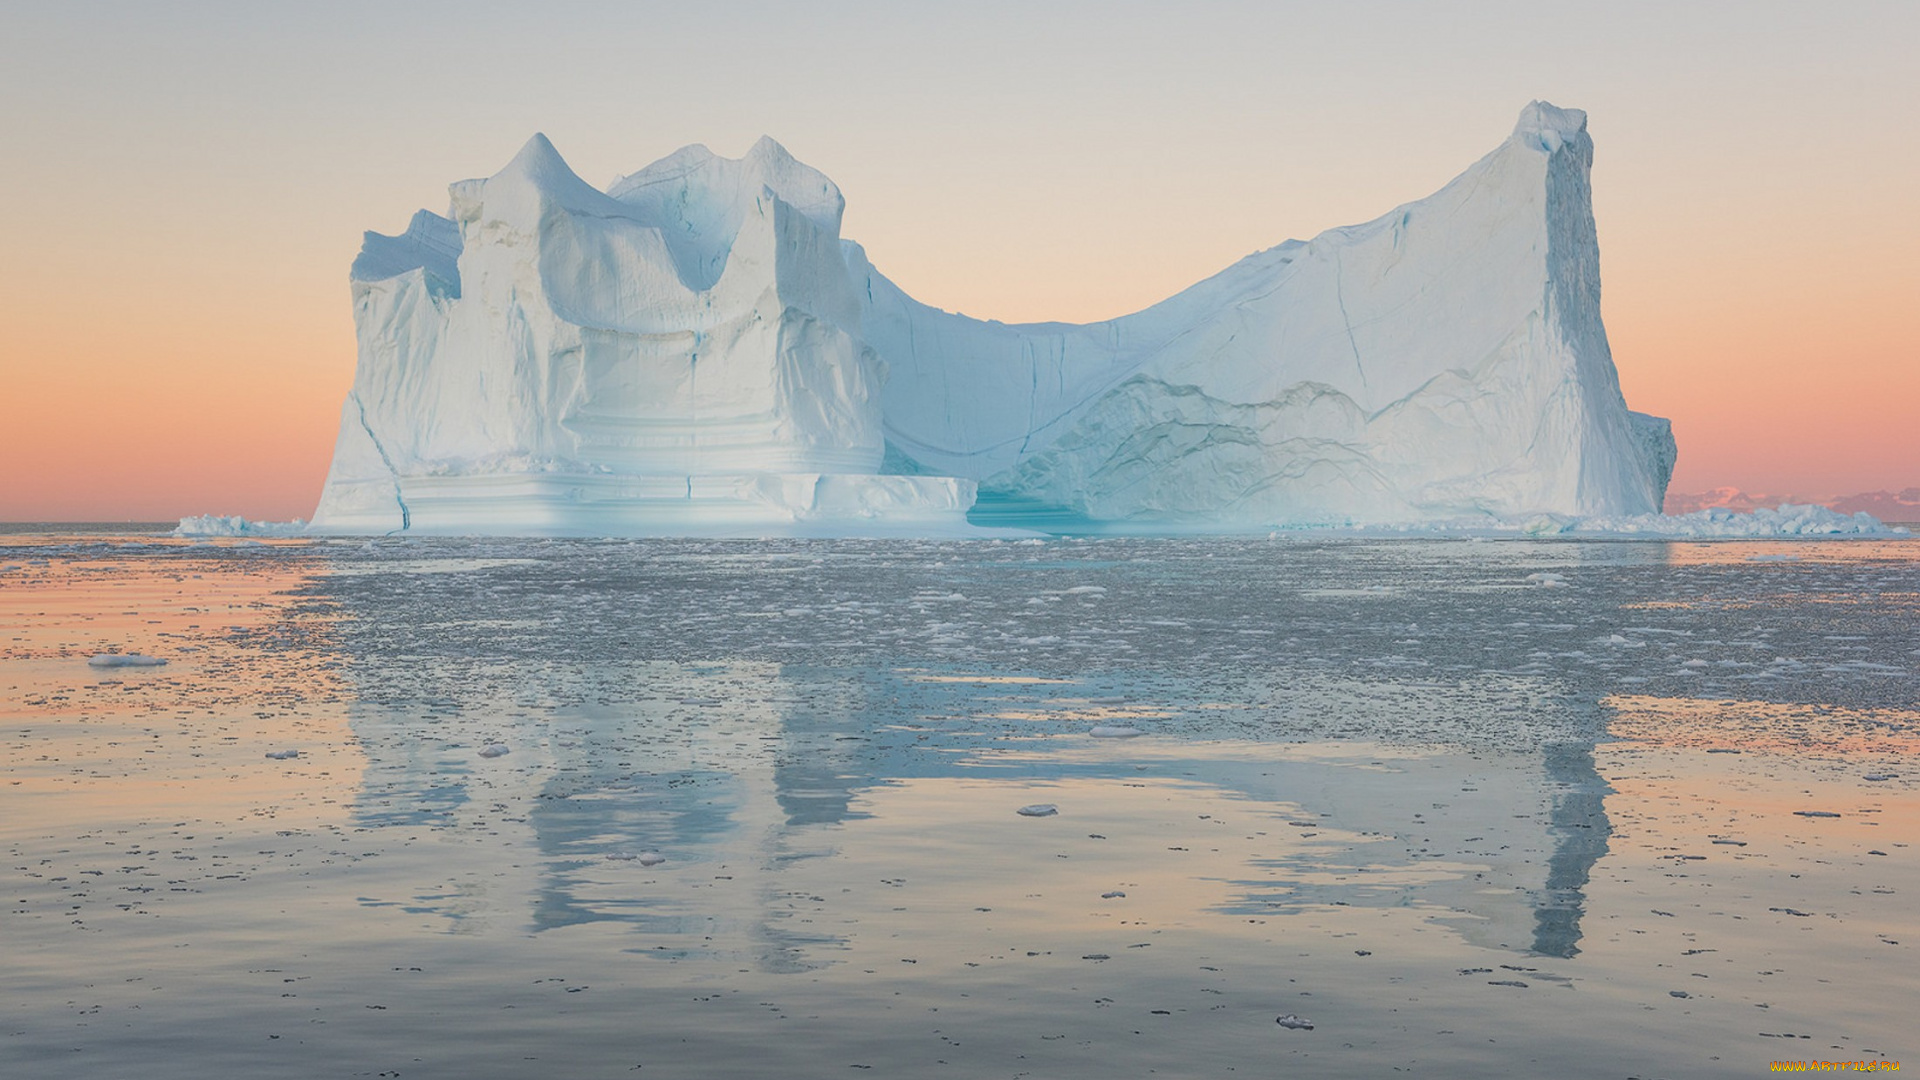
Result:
[{"x": 696, "y": 350}]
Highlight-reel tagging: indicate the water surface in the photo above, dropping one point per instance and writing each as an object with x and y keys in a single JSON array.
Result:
[{"x": 1613, "y": 809}]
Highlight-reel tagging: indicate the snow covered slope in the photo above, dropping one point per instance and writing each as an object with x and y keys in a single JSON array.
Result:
[
  {"x": 1445, "y": 361},
  {"x": 696, "y": 350}
]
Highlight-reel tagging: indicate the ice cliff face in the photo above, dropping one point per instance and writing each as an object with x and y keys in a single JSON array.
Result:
[
  {"x": 1444, "y": 361},
  {"x": 696, "y": 350}
]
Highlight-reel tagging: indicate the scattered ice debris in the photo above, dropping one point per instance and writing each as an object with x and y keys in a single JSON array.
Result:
[
  {"x": 1114, "y": 731},
  {"x": 1880, "y": 776},
  {"x": 1722, "y": 750},
  {"x": 1815, "y": 813},
  {"x": 124, "y": 660},
  {"x": 234, "y": 525},
  {"x": 699, "y": 701},
  {"x": 1789, "y": 519},
  {"x": 1792, "y": 911},
  {"x": 1044, "y": 809},
  {"x": 1114, "y": 895},
  {"x": 1363, "y": 952},
  {"x": 1086, "y": 590},
  {"x": 1507, "y": 982},
  {"x": 283, "y": 755},
  {"x": 1293, "y": 1023},
  {"x": 1546, "y": 580},
  {"x": 1096, "y": 956},
  {"x": 1678, "y": 994},
  {"x": 493, "y": 750},
  {"x": 644, "y": 858}
]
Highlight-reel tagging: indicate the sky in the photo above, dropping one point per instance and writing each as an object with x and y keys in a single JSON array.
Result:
[{"x": 183, "y": 186}]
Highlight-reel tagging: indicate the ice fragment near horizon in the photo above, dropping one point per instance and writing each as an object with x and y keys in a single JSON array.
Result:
[
  {"x": 114, "y": 660},
  {"x": 1038, "y": 810}
]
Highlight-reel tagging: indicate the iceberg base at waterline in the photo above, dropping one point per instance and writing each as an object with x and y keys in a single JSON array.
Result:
[{"x": 608, "y": 504}]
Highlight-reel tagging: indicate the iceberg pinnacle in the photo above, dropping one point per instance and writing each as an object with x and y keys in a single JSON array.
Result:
[{"x": 697, "y": 350}]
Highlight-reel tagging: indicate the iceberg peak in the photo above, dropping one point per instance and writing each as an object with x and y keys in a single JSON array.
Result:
[
  {"x": 1549, "y": 127},
  {"x": 539, "y": 166}
]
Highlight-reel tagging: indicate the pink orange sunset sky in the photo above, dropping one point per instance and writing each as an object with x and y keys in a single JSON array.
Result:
[{"x": 183, "y": 186}]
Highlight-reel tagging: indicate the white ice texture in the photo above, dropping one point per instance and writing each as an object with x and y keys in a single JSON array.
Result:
[{"x": 696, "y": 350}]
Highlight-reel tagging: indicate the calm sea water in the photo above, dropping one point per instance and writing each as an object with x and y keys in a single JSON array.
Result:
[{"x": 726, "y": 809}]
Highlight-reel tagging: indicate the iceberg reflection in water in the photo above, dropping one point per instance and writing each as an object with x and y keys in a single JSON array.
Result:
[{"x": 760, "y": 765}]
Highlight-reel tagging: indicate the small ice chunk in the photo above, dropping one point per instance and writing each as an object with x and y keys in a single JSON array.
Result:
[
  {"x": 651, "y": 858},
  {"x": 493, "y": 750},
  {"x": 1114, "y": 731},
  {"x": 1086, "y": 590},
  {"x": 124, "y": 660},
  {"x": 283, "y": 755},
  {"x": 1815, "y": 813},
  {"x": 1546, "y": 580},
  {"x": 1879, "y": 776},
  {"x": 1294, "y": 1023},
  {"x": 1043, "y": 809},
  {"x": 1114, "y": 895}
]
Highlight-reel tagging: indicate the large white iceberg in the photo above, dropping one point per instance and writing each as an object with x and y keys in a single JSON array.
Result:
[{"x": 696, "y": 350}]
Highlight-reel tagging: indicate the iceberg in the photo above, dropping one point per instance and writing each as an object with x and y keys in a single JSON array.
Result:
[{"x": 696, "y": 350}]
